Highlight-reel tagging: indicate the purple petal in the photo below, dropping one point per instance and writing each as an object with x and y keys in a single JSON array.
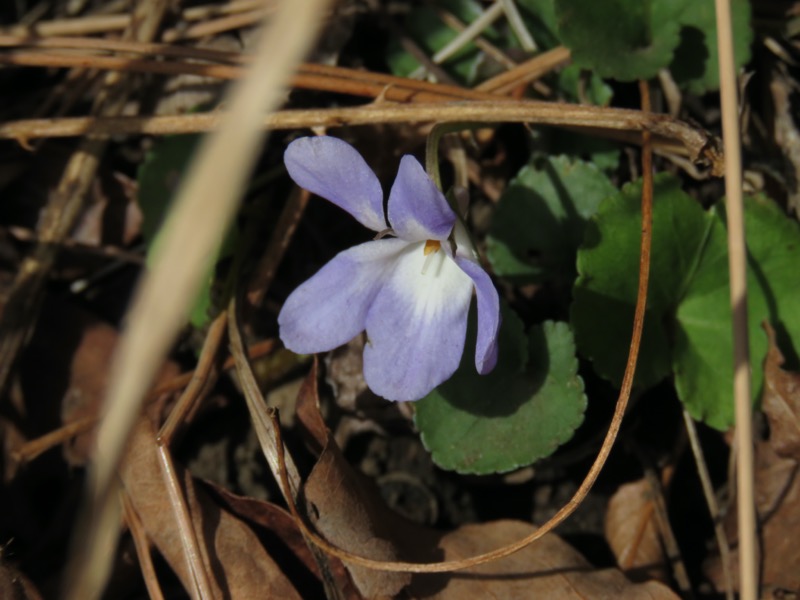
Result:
[
  {"x": 331, "y": 308},
  {"x": 417, "y": 325},
  {"x": 333, "y": 169},
  {"x": 488, "y": 315},
  {"x": 417, "y": 209}
]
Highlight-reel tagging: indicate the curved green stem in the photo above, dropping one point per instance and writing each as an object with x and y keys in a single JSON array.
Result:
[{"x": 432, "y": 147}]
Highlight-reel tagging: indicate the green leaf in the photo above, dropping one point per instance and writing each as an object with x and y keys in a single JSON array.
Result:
[
  {"x": 695, "y": 64},
  {"x": 603, "y": 154},
  {"x": 513, "y": 416},
  {"x": 687, "y": 330},
  {"x": 596, "y": 90},
  {"x": 427, "y": 29},
  {"x": 703, "y": 347},
  {"x": 158, "y": 178},
  {"x": 608, "y": 265},
  {"x": 623, "y": 39},
  {"x": 539, "y": 221}
]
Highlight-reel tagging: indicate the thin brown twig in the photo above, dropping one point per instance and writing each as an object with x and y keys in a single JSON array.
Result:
[
  {"x": 67, "y": 93},
  {"x": 66, "y": 203},
  {"x": 75, "y": 26},
  {"x": 108, "y": 46},
  {"x": 205, "y": 12},
  {"x": 255, "y": 351},
  {"x": 325, "y": 78},
  {"x": 525, "y": 72},
  {"x": 30, "y": 450},
  {"x": 111, "y": 23},
  {"x": 256, "y": 406},
  {"x": 215, "y": 26},
  {"x": 311, "y": 76},
  {"x": 142, "y": 545},
  {"x": 112, "y": 252},
  {"x": 630, "y": 553},
  {"x": 188, "y": 536},
  {"x": 661, "y": 515},
  {"x": 316, "y": 77},
  {"x": 601, "y": 120},
  {"x": 33, "y": 448},
  {"x": 204, "y": 376},
  {"x": 283, "y": 234},
  {"x": 711, "y": 502},
  {"x": 647, "y": 170},
  {"x": 503, "y": 83},
  {"x": 697, "y": 144}
]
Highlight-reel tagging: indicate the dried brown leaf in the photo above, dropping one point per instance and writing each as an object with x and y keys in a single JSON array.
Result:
[
  {"x": 781, "y": 401},
  {"x": 308, "y": 412},
  {"x": 632, "y": 533},
  {"x": 271, "y": 518},
  {"x": 287, "y": 537},
  {"x": 549, "y": 568},
  {"x": 74, "y": 348},
  {"x": 348, "y": 511},
  {"x": 778, "y": 507},
  {"x": 237, "y": 563}
]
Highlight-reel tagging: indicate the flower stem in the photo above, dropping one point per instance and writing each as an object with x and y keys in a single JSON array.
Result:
[{"x": 432, "y": 147}]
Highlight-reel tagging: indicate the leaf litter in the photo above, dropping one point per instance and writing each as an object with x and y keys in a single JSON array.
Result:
[{"x": 538, "y": 198}]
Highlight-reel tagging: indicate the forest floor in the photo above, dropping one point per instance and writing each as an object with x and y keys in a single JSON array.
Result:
[{"x": 473, "y": 466}]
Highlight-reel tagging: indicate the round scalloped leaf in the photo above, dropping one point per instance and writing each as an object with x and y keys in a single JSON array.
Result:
[
  {"x": 623, "y": 39},
  {"x": 695, "y": 66},
  {"x": 604, "y": 295},
  {"x": 688, "y": 323},
  {"x": 540, "y": 219},
  {"x": 513, "y": 416},
  {"x": 703, "y": 346}
]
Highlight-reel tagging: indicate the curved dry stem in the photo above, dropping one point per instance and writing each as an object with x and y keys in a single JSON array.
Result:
[
  {"x": 605, "y": 449},
  {"x": 622, "y": 124},
  {"x": 187, "y": 533},
  {"x": 203, "y": 378}
]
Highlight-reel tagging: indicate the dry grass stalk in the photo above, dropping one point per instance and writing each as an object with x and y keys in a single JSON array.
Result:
[
  {"x": 204, "y": 206},
  {"x": 737, "y": 265}
]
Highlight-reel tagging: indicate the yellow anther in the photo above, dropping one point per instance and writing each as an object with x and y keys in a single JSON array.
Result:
[{"x": 431, "y": 246}]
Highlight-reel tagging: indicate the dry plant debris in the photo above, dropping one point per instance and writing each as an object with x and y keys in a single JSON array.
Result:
[{"x": 527, "y": 117}]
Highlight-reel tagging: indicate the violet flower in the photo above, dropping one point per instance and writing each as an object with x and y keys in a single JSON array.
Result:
[{"x": 411, "y": 293}]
